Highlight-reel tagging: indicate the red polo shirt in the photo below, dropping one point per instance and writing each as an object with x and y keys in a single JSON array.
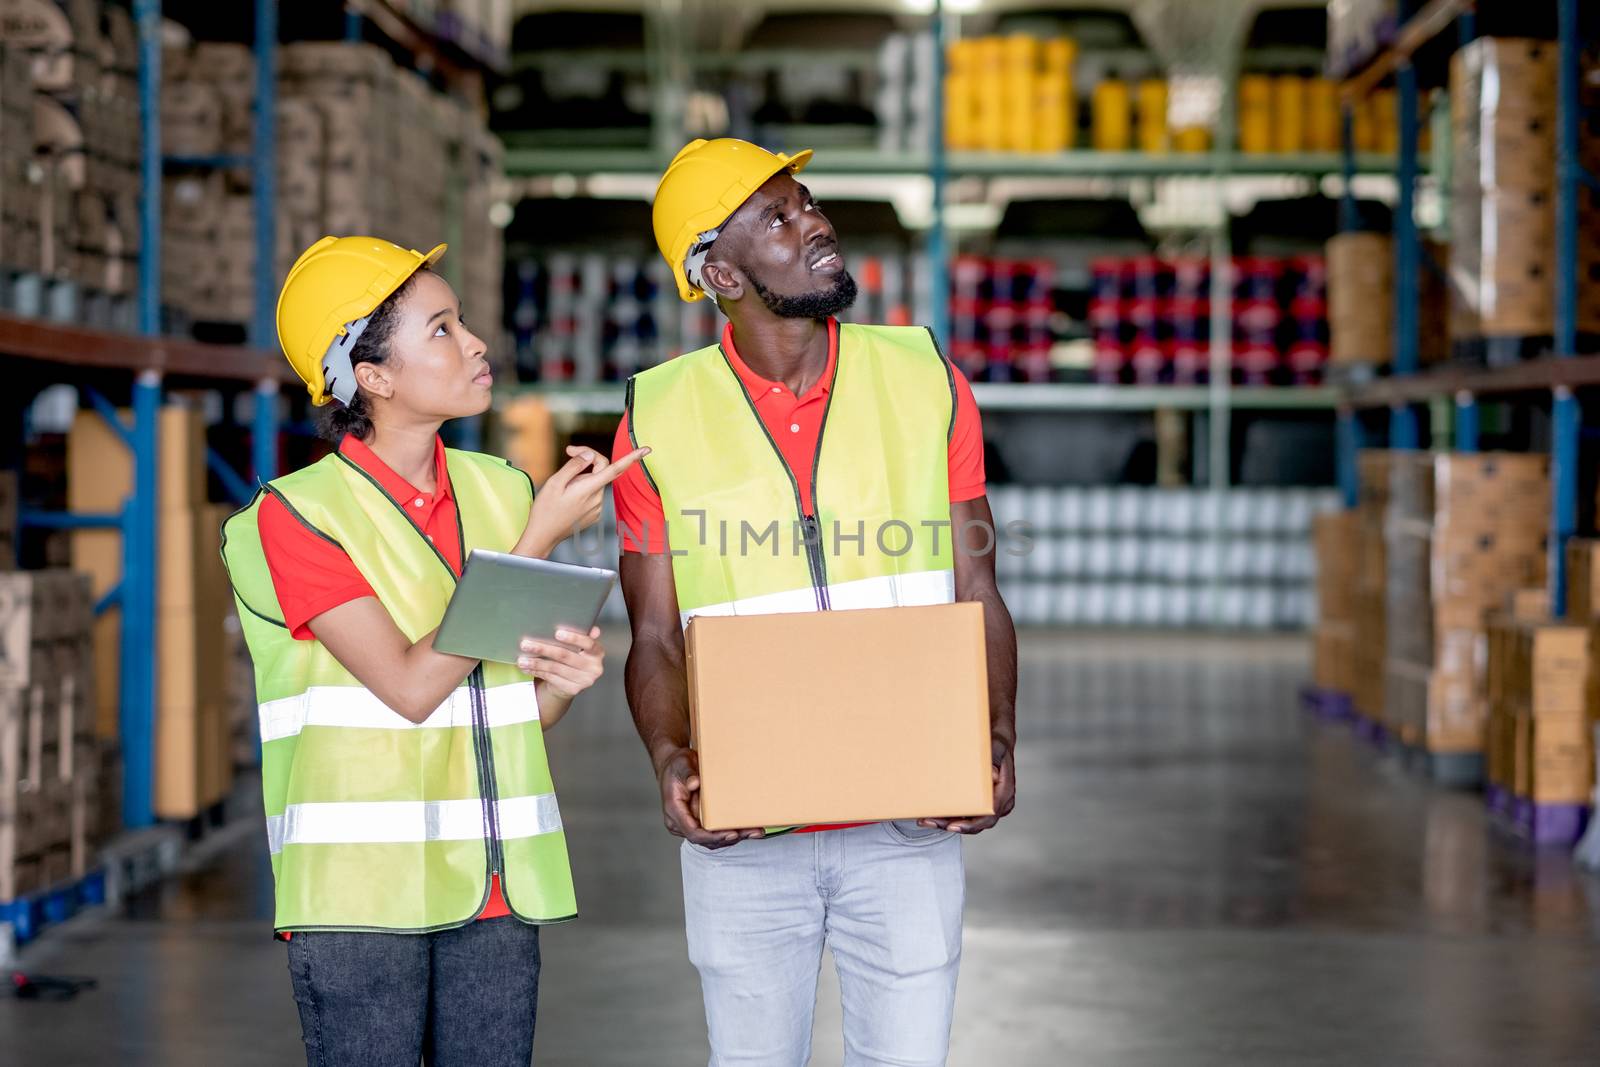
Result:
[
  {"x": 312, "y": 576},
  {"x": 795, "y": 423}
]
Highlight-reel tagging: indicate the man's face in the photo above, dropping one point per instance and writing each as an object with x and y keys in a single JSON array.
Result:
[{"x": 782, "y": 247}]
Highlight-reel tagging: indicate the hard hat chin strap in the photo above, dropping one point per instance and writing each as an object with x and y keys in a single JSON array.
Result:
[{"x": 338, "y": 373}]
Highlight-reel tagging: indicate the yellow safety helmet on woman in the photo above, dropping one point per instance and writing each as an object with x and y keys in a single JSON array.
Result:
[
  {"x": 703, "y": 186},
  {"x": 330, "y": 291}
]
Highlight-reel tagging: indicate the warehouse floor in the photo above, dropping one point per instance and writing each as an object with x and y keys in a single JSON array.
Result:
[{"x": 1196, "y": 874}]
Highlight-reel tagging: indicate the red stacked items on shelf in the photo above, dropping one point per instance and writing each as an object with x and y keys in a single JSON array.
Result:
[
  {"x": 1000, "y": 318},
  {"x": 1149, "y": 319}
]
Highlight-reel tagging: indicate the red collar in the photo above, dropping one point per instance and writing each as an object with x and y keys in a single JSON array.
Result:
[
  {"x": 356, "y": 451},
  {"x": 756, "y": 385}
]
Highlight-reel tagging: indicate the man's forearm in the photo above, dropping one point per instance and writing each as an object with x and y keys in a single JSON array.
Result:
[
  {"x": 658, "y": 696},
  {"x": 1001, "y": 638}
]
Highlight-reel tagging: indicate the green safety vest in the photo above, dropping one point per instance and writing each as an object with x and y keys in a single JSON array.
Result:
[
  {"x": 879, "y": 533},
  {"x": 375, "y": 822}
]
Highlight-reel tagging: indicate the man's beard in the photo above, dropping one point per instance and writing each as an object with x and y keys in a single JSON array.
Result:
[{"x": 819, "y": 304}]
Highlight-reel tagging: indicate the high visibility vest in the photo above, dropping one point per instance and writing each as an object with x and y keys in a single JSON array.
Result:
[
  {"x": 375, "y": 822},
  {"x": 742, "y": 543}
]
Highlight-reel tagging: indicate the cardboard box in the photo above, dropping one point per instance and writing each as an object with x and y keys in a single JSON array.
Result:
[
  {"x": 1583, "y": 578},
  {"x": 1554, "y": 659},
  {"x": 840, "y": 716},
  {"x": 1360, "y": 298},
  {"x": 1561, "y": 759},
  {"x": 1502, "y": 73},
  {"x": 1334, "y": 662}
]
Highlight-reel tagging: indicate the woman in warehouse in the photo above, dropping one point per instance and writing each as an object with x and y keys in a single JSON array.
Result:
[{"x": 416, "y": 842}]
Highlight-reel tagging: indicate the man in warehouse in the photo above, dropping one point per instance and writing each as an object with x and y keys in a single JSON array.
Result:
[{"x": 736, "y": 430}]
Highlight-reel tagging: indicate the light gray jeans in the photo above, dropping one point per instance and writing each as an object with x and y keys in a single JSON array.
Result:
[{"x": 886, "y": 898}]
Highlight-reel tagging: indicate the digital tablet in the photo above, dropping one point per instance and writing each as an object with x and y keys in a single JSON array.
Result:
[{"x": 502, "y": 599}]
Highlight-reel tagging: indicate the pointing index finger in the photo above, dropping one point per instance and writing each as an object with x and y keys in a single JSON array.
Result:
[{"x": 612, "y": 471}]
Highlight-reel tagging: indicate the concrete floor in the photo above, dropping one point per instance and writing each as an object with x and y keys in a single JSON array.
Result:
[{"x": 1196, "y": 874}]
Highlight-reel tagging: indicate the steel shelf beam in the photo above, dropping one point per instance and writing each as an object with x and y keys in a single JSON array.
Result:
[
  {"x": 1539, "y": 375},
  {"x": 79, "y": 346},
  {"x": 1418, "y": 30},
  {"x": 530, "y": 161}
]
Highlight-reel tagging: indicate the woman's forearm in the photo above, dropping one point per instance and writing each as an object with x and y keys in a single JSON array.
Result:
[{"x": 553, "y": 706}]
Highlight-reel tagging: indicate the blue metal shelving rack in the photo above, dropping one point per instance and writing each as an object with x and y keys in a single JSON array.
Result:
[
  {"x": 137, "y": 519},
  {"x": 1558, "y": 376}
]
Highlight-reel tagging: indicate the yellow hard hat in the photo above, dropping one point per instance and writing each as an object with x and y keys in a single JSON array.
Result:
[
  {"x": 704, "y": 185},
  {"x": 330, "y": 291}
]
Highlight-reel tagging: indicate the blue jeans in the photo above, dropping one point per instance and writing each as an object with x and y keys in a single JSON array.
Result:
[
  {"x": 458, "y": 998},
  {"x": 887, "y": 900}
]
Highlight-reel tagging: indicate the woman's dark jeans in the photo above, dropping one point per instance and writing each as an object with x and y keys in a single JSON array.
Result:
[{"x": 458, "y": 998}]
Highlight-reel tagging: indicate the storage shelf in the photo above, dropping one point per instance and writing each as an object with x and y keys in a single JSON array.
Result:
[
  {"x": 531, "y": 161},
  {"x": 607, "y": 398},
  {"x": 75, "y": 346},
  {"x": 439, "y": 42},
  {"x": 1417, "y": 31},
  {"x": 1551, "y": 372}
]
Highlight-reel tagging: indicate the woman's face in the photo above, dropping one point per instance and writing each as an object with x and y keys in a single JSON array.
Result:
[{"x": 436, "y": 366}]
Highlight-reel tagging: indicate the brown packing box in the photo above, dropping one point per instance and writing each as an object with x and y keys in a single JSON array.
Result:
[
  {"x": 1500, "y": 73},
  {"x": 840, "y": 716},
  {"x": 1556, "y": 661},
  {"x": 1456, "y": 713},
  {"x": 1334, "y": 663},
  {"x": 1583, "y": 578},
  {"x": 1560, "y": 753},
  {"x": 1510, "y": 149},
  {"x": 1360, "y": 298},
  {"x": 1336, "y": 534}
]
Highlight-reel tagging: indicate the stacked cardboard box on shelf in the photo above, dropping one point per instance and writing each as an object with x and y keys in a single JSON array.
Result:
[
  {"x": 193, "y": 716},
  {"x": 53, "y": 771},
  {"x": 1361, "y": 301},
  {"x": 1369, "y": 650},
  {"x": 1338, "y": 539},
  {"x": 364, "y": 147},
  {"x": 19, "y": 193},
  {"x": 1464, "y": 533},
  {"x": 1503, "y": 113},
  {"x": 1542, "y": 718},
  {"x": 208, "y": 214},
  {"x": 71, "y": 195}
]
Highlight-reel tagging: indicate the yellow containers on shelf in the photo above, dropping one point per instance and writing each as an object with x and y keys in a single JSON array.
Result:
[
  {"x": 1384, "y": 105},
  {"x": 1192, "y": 139},
  {"x": 1153, "y": 134},
  {"x": 1055, "y": 112},
  {"x": 1020, "y": 75},
  {"x": 1322, "y": 115},
  {"x": 1112, "y": 115},
  {"x": 1010, "y": 94},
  {"x": 989, "y": 55},
  {"x": 960, "y": 113},
  {"x": 1289, "y": 113},
  {"x": 1255, "y": 114}
]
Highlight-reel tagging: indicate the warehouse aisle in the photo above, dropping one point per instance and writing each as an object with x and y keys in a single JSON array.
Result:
[{"x": 1196, "y": 874}]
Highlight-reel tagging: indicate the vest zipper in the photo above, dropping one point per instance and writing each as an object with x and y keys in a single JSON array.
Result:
[
  {"x": 484, "y": 754},
  {"x": 815, "y": 562},
  {"x": 486, "y": 780}
]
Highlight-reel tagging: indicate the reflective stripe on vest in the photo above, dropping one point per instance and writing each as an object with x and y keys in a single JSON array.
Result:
[
  {"x": 396, "y": 821},
  {"x": 375, "y": 822},
  {"x": 879, "y": 534},
  {"x": 358, "y": 708}
]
